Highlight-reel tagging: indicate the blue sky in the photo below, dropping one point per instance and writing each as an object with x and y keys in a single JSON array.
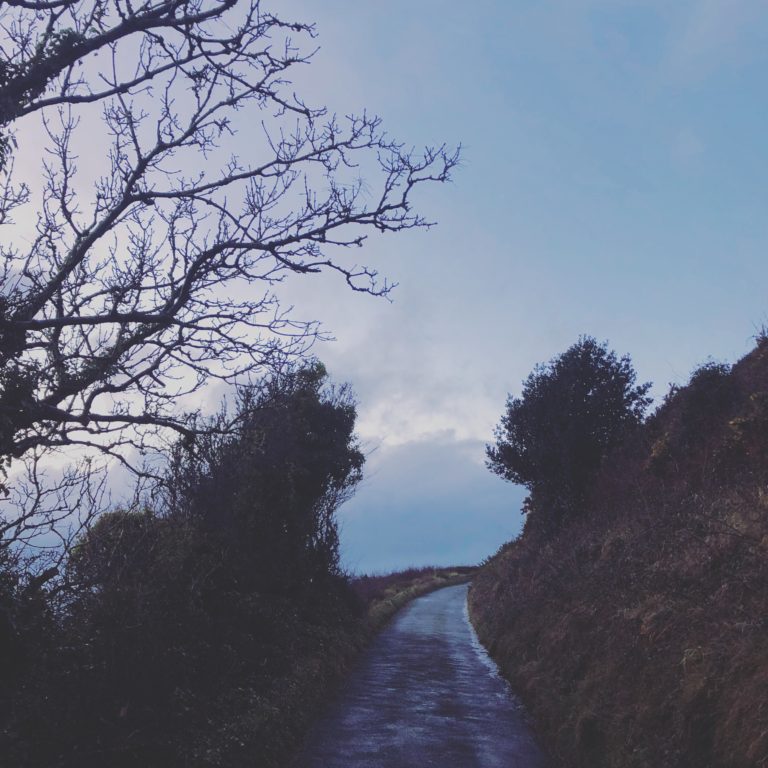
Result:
[{"x": 614, "y": 183}]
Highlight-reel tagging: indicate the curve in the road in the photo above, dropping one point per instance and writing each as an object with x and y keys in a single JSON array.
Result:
[{"x": 425, "y": 694}]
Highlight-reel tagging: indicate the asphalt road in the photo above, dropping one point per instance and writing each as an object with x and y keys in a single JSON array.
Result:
[{"x": 424, "y": 694}]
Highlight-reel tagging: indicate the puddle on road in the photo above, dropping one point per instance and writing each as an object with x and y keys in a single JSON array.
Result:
[{"x": 479, "y": 648}]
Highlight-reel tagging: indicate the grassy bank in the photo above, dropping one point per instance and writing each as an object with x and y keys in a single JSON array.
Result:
[
  {"x": 637, "y": 636},
  {"x": 384, "y": 595}
]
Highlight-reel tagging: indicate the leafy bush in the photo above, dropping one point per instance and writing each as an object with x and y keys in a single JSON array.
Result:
[
  {"x": 572, "y": 412},
  {"x": 269, "y": 493},
  {"x": 183, "y": 625}
]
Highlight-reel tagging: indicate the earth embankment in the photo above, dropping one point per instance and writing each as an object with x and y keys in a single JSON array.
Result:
[{"x": 637, "y": 636}]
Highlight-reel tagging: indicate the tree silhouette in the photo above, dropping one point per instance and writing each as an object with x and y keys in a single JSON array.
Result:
[
  {"x": 272, "y": 485},
  {"x": 573, "y": 410},
  {"x": 131, "y": 289}
]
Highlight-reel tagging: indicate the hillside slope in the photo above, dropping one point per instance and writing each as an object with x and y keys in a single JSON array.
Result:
[{"x": 639, "y": 635}]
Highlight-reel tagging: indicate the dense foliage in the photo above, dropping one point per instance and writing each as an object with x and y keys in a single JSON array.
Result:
[
  {"x": 573, "y": 410},
  {"x": 272, "y": 490},
  {"x": 181, "y": 628}
]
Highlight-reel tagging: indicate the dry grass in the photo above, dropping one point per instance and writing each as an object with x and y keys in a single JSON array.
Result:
[{"x": 386, "y": 594}]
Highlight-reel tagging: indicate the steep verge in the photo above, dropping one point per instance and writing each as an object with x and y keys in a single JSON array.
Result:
[{"x": 639, "y": 635}]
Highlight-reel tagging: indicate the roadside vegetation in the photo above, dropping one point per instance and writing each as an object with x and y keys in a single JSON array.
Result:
[
  {"x": 385, "y": 594},
  {"x": 635, "y": 630},
  {"x": 190, "y": 631}
]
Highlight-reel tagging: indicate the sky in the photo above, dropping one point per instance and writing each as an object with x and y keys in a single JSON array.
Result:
[{"x": 613, "y": 183}]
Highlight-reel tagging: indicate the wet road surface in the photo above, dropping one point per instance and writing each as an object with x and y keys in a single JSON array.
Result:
[{"x": 424, "y": 694}]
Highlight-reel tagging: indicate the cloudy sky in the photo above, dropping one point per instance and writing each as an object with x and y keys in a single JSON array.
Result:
[{"x": 613, "y": 183}]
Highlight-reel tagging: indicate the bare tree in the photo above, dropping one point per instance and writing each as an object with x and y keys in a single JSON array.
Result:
[
  {"x": 135, "y": 287},
  {"x": 46, "y": 42}
]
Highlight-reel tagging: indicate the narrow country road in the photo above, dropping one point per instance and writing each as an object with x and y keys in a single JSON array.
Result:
[{"x": 425, "y": 694}]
